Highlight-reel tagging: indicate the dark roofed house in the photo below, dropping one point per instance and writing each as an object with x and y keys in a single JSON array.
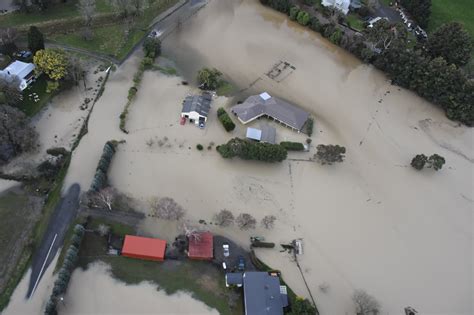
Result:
[
  {"x": 266, "y": 134},
  {"x": 196, "y": 108},
  {"x": 201, "y": 246},
  {"x": 264, "y": 104},
  {"x": 263, "y": 294}
]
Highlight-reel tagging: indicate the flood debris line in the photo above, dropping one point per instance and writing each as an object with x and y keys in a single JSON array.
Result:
[
  {"x": 64, "y": 274},
  {"x": 152, "y": 49}
]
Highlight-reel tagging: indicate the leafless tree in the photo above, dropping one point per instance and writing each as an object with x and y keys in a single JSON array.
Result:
[
  {"x": 138, "y": 6},
  {"x": 87, "y": 10},
  {"x": 105, "y": 198},
  {"x": 75, "y": 70},
  {"x": 246, "y": 222},
  {"x": 9, "y": 87},
  {"x": 167, "y": 209},
  {"x": 122, "y": 8},
  {"x": 224, "y": 218},
  {"x": 189, "y": 231},
  {"x": 268, "y": 221},
  {"x": 8, "y": 35},
  {"x": 365, "y": 303},
  {"x": 103, "y": 229}
]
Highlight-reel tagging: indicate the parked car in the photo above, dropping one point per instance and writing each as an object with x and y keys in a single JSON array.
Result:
[
  {"x": 225, "y": 247},
  {"x": 224, "y": 265},
  {"x": 241, "y": 263},
  {"x": 201, "y": 125}
]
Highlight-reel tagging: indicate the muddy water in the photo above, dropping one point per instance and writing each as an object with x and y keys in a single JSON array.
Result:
[{"x": 106, "y": 295}]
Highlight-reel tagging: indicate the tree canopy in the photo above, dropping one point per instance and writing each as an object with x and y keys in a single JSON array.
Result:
[
  {"x": 35, "y": 39},
  {"x": 210, "y": 79},
  {"x": 248, "y": 150},
  {"x": 452, "y": 42},
  {"x": 53, "y": 62},
  {"x": 420, "y": 10}
]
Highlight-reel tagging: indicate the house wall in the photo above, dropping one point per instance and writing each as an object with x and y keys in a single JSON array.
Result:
[{"x": 193, "y": 115}]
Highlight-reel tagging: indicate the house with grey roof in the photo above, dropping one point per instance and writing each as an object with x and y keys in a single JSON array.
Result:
[
  {"x": 263, "y": 294},
  {"x": 18, "y": 69},
  {"x": 266, "y": 134},
  {"x": 196, "y": 108},
  {"x": 265, "y": 105}
]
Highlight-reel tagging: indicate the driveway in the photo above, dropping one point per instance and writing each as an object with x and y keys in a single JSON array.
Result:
[
  {"x": 63, "y": 215},
  {"x": 388, "y": 12}
]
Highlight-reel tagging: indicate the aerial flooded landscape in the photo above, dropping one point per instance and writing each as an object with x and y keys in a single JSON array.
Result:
[{"x": 236, "y": 157}]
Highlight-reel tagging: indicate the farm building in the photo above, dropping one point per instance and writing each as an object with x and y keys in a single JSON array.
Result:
[
  {"x": 144, "y": 248},
  {"x": 265, "y": 134},
  {"x": 265, "y": 105},
  {"x": 196, "y": 108},
  {"x": 201, "y": 246},
  {"x": 22, "y": 70},
  {"x": 263, "y": 293}
]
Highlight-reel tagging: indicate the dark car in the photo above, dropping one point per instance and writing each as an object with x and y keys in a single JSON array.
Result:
[{"x": 241, "y": 263}]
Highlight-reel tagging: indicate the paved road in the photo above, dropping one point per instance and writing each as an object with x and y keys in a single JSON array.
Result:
[{"x": 63, "y": 215}]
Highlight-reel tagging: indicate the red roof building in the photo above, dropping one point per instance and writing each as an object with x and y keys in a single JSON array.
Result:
[
  {"x": 144, "y": 248},
  {"x": 201, "y": 246}
]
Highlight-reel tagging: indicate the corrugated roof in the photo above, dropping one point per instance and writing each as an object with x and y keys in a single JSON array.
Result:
[
  {"x": 262, "y": 294},
  {"x": 197, "y": 103},
  {"x": 268, "y": 134},
  {"x": 19, "y": 68},
  {"x": 254, "y": 134},
  {"x": 144, "y": 248},
  {"x": 255, "y": 106},
  {"x": 201, "y": 246}
]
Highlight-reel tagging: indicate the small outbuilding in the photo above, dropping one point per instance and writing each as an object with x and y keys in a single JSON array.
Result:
[
  {"x": 266, "y": 134},
  {"x": 22, "y": 70},
  {"x": 201, "y": 246},
  {"x": 196, "y": 108},
  {"x": 144, "y": 248}
]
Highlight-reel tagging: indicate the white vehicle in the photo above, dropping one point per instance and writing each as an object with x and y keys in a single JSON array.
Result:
[
  {"x": 225, "y": 247},
  {"x": 224, "y": 266}
]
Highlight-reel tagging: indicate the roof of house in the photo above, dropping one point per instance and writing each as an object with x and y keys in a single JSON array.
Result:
[
  {"x": 197, "y": 103},
  {"x": 144, "y": 247},
  {"x": 264, "y": 104},
  {"x": 201, "y": 246},
  {"x": 234, "y": 278},
  {"x": 342, "y": 5},
  {"x": 262, "y": 294},
  {"x": 19, "y": 68},
  {"x": 266, "y": 134},
  {"x": 254, "y": 134}
]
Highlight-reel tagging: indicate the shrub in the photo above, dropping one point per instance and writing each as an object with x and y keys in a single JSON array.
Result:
[
  {"x": 224, "y": 218},
  {"x": 329, "y": 154},
  {"x": 419, "y": 161},
  {"x": 152, "y": 47},
  {"x": 309, "y": 124},
  {"x": 336, "y": 37},
  {"x": 131, "y": 93},
  {"x": 209, "y": 79},
  {"x": 100, "y": 178},
  {"x": 246, "y": 221},
  {"x": 57, "y": 151},
  {"x": 225, "y": 119},
  {"x": 294, "y": 13},
  {"x": 436, "y": 161},
  {"x": 303, "y": 18},
  {"x": 292, "y": 146},
  {"x": 199, "y": 147},
  {"x": 148, "y": 62},
  {"x": 252, "y": 150}
]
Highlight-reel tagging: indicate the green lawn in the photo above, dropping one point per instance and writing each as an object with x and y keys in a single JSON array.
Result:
[
  {"x": 111, "y": 39},
  {"x": 443, "y": 11},
  {"x": 201, "y": 279},
  {"x": 56, "y": 12},
  {"x": 225, "y": 89},
  {"x": 28, "y": 105},
  {"x": 355, "y": 22}
]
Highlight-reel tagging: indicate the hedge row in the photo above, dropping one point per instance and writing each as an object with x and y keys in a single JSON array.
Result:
[
  {"x": 249, "y": 150},
  {"x": 100, "y": 177},
  {"x": 225, "y": 119},
  {"x": 292, "y": 146},
  {"x": 64, "y": 274}
]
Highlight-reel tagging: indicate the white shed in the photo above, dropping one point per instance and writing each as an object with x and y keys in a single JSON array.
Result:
[{"x": 24, "y": 71}]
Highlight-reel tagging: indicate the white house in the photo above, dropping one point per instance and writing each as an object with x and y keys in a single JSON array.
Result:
[
  {"x": 196, "y": 108},
  {"x": 24, "y": 71},
  {"x": 341, "y": 5}
]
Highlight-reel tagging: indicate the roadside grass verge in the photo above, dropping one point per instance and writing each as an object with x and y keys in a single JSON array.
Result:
[{"x": 202, "y": 280}]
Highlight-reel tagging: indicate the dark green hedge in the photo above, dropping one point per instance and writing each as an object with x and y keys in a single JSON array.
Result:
[
  {"x": 225, "y": 119},
  {"x": 249, "y": 150},
  {"x": 292, "y": 146},
  {"x": 100, "y": 177}
]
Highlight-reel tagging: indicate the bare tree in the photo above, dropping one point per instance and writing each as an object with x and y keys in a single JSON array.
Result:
[
  {"x": 122, "y": 8},
  {"x": 104, "y": 198},
  {"x": 167, "y": 209},
  {"x": 87, "y": 10},
  {"x": 365, "y": 303},
  {"x": 268, "y": 221},
  {"x": 7, "y": 40},
  {"x": 246, "y": 222},
  {"x": 103, "y": 229},
  {"x": 75, "y": 71},
  {"x": 190, "y": 231},
  {"x": 9, "y": 86},
  {"x": 138, "y": 6},
  {"x": 224, "y": 218}
]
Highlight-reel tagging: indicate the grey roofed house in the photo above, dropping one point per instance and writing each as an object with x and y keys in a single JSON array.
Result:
[
  {"x": 233, "y": 278},
  {"x": 264, "y": 134},
  {"x": 263, "y": 294},
  {"x": 196, "y": 106},
  {"x": 264, "y": 104}
]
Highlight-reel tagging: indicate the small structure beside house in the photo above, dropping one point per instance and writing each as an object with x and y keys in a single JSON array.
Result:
[
  {"x": 266, "y": 134},
  {"x": 196, "y": 108},
  {"x": 342, "y": 5},
  {"x": 264, "y": 105},
  {"x": 263, "y": 293},
  {"x": 201, "y": 246},
  {"x": 24, "y": 71},
  {"x": 144, "y": 248}
]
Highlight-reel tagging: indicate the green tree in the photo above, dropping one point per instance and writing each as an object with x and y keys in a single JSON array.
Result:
[
  {"x": 42, "y": 4},
  {"x": 452, "y": 42},
  {"x": 294, "y": 12},
  {"x": 302, "y": 306},
  {"x": 209, "y": 79},
  {"x": 152, "y": 47},
  {"x": 35, "y": 39},
  {"x": 419, "y": 161},
  {"x": 436, "y": 161},
  {"x": 53, "y": 62},
  {"x": 303, "y": 18},
  {"x": 420, "y": 10}
]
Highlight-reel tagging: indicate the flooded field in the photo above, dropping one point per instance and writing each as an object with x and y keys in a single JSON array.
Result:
[{"x": 371, "y": 222}]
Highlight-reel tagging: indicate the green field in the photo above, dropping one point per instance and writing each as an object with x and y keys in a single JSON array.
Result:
[{"x": 443, "y": 11}]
